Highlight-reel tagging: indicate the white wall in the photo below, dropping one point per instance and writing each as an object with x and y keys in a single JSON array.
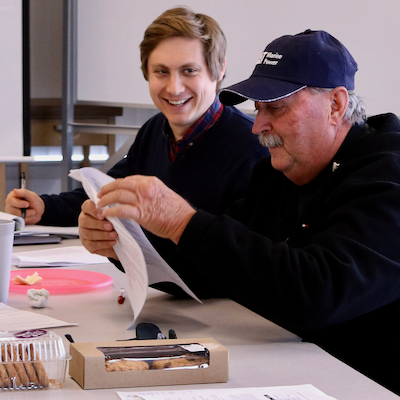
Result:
[
  {"x": 109, "y": 33},
  {"x": 11, "y": 117}
]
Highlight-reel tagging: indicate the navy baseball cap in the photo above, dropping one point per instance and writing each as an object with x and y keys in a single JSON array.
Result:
[{"x": 290, "y": 63}]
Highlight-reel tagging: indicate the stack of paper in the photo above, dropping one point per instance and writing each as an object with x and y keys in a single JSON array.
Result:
[
  {"x": 39, "y": 234},
  {"x": 22, "y": 229},
  {"x": 66, "y": 232},
  {"x": 56, "y": 257}
]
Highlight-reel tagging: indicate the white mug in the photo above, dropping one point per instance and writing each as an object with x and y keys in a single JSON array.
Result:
[{"x": 6, "y": 247}]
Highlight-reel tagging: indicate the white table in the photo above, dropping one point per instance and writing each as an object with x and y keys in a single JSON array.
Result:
[{"x": 260, "y": 352}]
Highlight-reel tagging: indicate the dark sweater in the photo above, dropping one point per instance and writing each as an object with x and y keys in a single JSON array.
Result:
[
  {"x": 211, "y": 175},
  {"x": 321, "y": 260}
]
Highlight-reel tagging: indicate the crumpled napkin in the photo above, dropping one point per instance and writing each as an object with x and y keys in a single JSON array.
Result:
[{"x": 38, "y": 298}]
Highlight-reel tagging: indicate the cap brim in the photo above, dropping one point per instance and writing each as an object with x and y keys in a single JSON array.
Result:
[{"x": 258, "y": 89}]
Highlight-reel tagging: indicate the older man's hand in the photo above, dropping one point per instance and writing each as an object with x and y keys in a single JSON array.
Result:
[
  {"x": 149, "y": 202},
  {"x": 96, "y": 233}
]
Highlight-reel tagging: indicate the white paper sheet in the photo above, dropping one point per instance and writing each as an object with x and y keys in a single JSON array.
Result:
[
  {"x": 143, "y": 265},
  {"x": 56, "y": 257},
  {"x": 13, "y": 319},
  {"x": 298, "y": 392},
  {"x": 72, "y": 231}
]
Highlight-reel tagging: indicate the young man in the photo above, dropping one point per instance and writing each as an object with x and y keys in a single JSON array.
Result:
[
  {"x": 314, "y": 245},
  {"x": 201, "y": 149}
]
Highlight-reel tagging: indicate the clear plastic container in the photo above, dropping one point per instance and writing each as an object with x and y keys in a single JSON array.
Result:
[
  {"x": 32, "y": 359},
  {"x": 170, "y": 356}
]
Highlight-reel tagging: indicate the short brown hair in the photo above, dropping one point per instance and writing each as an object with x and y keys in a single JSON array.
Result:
[{"x": 182, "y": 21}]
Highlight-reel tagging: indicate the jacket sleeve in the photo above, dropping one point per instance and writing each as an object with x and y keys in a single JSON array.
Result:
[{"x": 63, "y": 209}]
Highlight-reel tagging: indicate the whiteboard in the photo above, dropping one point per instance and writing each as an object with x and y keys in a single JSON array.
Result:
[
  {"x": 110, "y": 31},
  {"x": 11, "y": 113}
]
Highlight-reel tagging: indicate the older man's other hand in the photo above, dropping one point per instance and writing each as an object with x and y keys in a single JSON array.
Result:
[
  {"x": 96, "y": 233},
  {"x": 149, "y": 202}
]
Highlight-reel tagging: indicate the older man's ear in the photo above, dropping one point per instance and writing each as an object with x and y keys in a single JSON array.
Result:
[{"x": 339, "y": 102}]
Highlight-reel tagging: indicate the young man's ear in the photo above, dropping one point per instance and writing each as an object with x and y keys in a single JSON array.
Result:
[{"x": 223, "y": 70}]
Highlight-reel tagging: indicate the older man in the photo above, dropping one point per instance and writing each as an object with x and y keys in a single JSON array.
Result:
[{"x": 314, "y": 245}]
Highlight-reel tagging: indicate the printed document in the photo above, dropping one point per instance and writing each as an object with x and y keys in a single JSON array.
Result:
[
  {"x": 298, "y": 392},
  {"x": 143, "y": 265}
]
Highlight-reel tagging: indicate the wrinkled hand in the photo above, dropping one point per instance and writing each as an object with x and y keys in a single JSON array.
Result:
[
  {"x": 96, "y": 233},
  {"x": 24, "y": 198},
  {"x": 149, "y": 202}
]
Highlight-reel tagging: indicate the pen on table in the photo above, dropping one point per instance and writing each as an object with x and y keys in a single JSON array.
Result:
[{"x": 23, "y": 186}]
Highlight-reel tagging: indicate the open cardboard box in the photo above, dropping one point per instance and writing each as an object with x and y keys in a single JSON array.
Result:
[{"x": 167, "y": 362}]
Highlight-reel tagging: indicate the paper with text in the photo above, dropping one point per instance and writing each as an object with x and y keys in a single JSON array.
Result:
[
  {"x": 298, "y": 392},
  {"x": 143, "y": 265},
  {"x": 13, "y": 319}
]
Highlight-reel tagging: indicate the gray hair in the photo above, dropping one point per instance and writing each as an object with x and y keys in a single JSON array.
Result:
[{"x": 355, "y": 112}]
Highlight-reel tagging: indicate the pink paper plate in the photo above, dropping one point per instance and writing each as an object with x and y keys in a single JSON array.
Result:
[{"x": 61, "y": 280}]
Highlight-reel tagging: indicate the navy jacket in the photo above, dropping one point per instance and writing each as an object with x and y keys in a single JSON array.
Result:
[{"x": 323, "y": 259}]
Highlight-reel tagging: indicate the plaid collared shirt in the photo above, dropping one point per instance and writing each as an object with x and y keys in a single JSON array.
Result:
[{"x": 195, "y": 132}]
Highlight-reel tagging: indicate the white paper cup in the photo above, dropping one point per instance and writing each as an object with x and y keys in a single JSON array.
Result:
[{"x": 6, "y": 247}]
